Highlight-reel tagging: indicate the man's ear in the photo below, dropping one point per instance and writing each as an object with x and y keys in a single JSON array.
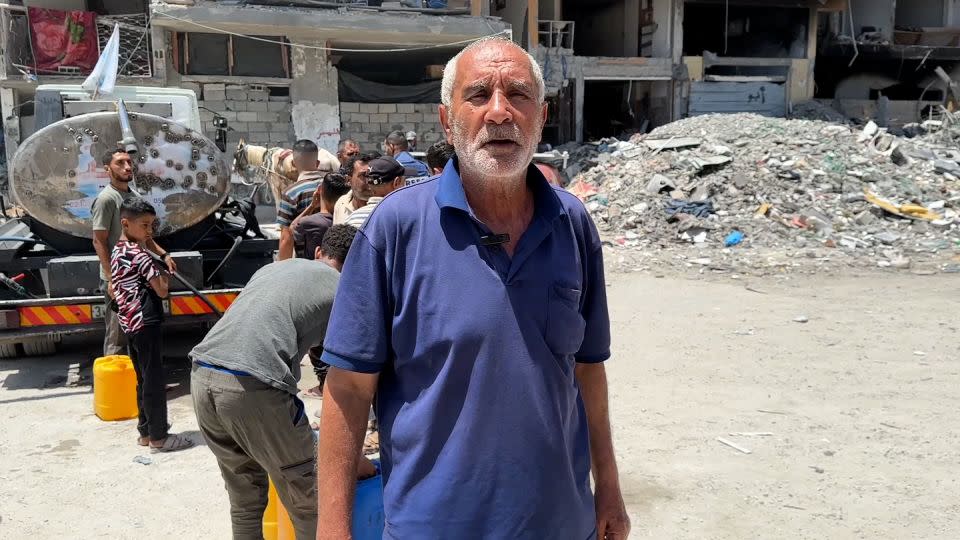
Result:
[
  {"x": 317, "y": 254},
  {"x": 445, "y": 121}
]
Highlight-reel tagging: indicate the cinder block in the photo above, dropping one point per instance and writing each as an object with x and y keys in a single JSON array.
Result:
[
  {"x": 278, "y": 106},
  {"x": 235, "y": 87},
  {"x": 244, "y": 116},
  {"x": 213, "y": 95},
  {"x": 259, "y": 126},
  {"x": 236, "y": 105},
  {"x": 233, "y": 137},
  {"x": 279, "y": 135},
  {"x": 387, "y": 107},
  {"x": 240, "y": 125},
  {"x": 205, "y": 115},
  {"x": 280, "y": 99},
  {"x": 359, "y": 117},
  {"x": 379, "y": 118},
  {"x": 268, "y": 117},
  {"x": 215, "y": 105},
  {"x": 430, "y": 137},
  {"x": 353, "y": 127},
  {"x": 258, "y": 95},
  {"x": 396, "y": 118},
  {"x": 229, "y": 115},
  {"x": 257, "y": 106},
  {"x": 214, "y": 87},
  {"x": 405, "y": 107},
  {"x": 349, "y": 107},
  {"x": 239, "y": 95},
  {"x": 192, "y": 86},
  {"x": 413, "y": 118},
  {"x": 280, "y": 126},
  {"x": 369, "y": 108},
  {"x": 259, "y": 137}
]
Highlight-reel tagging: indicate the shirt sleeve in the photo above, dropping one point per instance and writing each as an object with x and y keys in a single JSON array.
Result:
[
  {"x": 286, "y": 210},
  {"x": 145, "y": 266},
  {"x": 596, "y": 338},
  {"x": 358, "y": 336},
  {"x": 101, "y": 214}
]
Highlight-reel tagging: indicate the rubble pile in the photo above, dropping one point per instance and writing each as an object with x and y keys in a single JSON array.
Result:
[{"x": 743, "y": 181}]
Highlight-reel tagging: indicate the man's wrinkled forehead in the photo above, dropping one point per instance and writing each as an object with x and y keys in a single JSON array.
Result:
[{"x": 495, "y": 60}]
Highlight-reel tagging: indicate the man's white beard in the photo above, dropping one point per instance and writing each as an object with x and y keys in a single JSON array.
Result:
[{"x": 474, "y": 157}]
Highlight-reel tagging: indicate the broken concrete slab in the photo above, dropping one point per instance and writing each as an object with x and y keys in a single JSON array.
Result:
[
  {"x": 660, "y": 183},
  {"x": 672, "y": 143}
]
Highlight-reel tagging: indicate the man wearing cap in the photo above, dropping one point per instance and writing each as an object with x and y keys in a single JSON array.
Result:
[
  {"x": 384, "y": 175},
  {"x": 412, "y": 141},
  {"x": 396, "y": 145},
  {"x": 354, "y": 169}
]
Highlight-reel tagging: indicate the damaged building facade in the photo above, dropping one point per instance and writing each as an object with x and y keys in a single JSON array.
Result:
[
  {"x": 276, "y": 71},
  {"x": 280, "y": 70}
]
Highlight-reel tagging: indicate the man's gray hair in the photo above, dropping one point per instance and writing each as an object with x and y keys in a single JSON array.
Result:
[{"x": 450, "y": 71}]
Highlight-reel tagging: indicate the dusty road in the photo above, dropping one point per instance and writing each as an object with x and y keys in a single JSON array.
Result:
[{"x": 851, "y": 420}]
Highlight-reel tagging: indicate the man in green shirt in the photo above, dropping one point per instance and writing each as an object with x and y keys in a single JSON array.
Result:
[{"x": 106, "y": 231}]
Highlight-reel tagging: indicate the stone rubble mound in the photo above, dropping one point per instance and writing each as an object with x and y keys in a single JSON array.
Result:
[{"x": 750, "y": 181}]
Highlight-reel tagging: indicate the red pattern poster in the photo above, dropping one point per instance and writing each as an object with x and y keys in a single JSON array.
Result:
[{"x": 63, "y": 38}]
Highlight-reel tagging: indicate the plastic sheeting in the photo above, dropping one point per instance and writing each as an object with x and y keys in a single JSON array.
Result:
[{"x": 354, "y": 88}]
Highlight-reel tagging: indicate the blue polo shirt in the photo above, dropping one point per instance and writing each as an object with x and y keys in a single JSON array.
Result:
[
  {"x": 410, "y": 162},
  {"x": 483, "y": 432}
]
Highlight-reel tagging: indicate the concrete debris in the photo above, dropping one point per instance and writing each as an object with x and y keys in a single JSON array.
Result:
[
  {"x": 672, "y": 143},
  {"x": 806, "y": 188}
]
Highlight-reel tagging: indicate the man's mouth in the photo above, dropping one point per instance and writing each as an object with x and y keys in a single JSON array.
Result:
[{"x": 501, "y": 144}]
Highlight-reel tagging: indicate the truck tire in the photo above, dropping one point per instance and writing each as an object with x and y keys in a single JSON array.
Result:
[
  {"x": 9, "y": 350},
  {"x": 41, "y": 346}
]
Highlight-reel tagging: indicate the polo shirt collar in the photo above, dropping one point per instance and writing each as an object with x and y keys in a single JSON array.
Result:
[{"x": 450, "y": 193}]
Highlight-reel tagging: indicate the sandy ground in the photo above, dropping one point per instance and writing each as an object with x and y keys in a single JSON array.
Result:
[{"x": 851, "y": 420}]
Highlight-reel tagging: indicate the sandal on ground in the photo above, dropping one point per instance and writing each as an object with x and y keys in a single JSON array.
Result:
[
  {"x": 145, "y": 441},
  {"x": 315, "y": 392},
  {"x": 172, "y": 443},
  {"x": 371, "y": 444}
]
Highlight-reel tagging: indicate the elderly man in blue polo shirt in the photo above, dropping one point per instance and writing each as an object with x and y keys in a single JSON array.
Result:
[{"x": 473, "y": 305}]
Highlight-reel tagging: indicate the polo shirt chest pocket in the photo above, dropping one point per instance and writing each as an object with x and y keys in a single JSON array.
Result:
[{"x": 565, "y": 325}]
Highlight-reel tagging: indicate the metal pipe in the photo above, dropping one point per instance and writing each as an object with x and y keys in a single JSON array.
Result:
[
  {"x": 128, "y": 142},
  {"x": 226, "y": 258},
  {"x": 187, "y": 284}
]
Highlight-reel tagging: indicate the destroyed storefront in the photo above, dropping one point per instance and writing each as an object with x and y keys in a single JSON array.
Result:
[
  {"x": 606, "y": 64},
  {"x": 879, "y": 59},
  {"x": 746, "y": 56}
]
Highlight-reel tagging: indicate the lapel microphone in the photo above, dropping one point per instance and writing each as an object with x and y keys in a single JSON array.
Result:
[{"x": 494, "y": 239}]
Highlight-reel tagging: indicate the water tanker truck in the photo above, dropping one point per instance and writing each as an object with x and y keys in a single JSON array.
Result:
[{"x": 49, "y": 274}]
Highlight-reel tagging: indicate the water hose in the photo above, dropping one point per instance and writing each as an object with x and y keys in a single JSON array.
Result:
[{"x": 187, "y": 284}]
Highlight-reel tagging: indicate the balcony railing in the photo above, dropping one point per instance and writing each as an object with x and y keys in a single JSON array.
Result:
[{"x": 135, "y": 57}]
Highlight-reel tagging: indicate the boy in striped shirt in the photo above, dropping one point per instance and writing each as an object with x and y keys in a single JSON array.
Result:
[{"x": 137, "y": 287}]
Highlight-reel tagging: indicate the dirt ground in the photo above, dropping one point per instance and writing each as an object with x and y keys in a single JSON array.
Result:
[{"x": 850, "y": 419}]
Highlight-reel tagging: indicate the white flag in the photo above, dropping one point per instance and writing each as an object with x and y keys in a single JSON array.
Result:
[{"x": 104, "y": 76}]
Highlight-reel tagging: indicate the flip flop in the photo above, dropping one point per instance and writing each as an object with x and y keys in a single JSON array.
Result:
[
  {"x": 315, "y": 392},
  {"x": 371, "y": 444},
  {"x": 143, "y": 441},
  {"x": 172, "y": 443}
]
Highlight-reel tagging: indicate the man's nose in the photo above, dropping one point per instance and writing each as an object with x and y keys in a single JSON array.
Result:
[{"x": 498, "y": 111}]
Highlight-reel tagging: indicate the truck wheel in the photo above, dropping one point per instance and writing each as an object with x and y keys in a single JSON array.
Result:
[
  {"x": 9, "y": 350},
  {"x": 41, "y": 346}
]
